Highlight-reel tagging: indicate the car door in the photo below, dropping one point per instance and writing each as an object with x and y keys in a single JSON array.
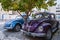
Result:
[{"x": 53, "y": 22}]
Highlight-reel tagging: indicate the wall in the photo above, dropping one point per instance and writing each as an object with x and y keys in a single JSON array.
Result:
[{"x": 7, "y": 17}]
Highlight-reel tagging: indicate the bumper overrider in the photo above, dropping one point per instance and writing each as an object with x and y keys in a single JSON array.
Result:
[
  {"x": 34, "y": 34},
  {"x": 8, "y": 27}
]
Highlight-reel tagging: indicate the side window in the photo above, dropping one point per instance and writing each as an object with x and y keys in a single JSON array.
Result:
[{"x": 46, "y": 15}]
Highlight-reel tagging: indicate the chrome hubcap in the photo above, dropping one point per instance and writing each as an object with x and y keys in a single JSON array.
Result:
[{"x": 17, "y": 27}]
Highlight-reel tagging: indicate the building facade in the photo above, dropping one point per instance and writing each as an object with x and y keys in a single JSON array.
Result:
[{"x": 58, "y": 9}]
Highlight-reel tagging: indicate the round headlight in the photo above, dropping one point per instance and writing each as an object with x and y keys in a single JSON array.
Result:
[{"x": 40, "y": 28}]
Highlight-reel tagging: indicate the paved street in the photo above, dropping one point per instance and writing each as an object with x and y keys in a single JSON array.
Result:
[{"x": 9, "y": 35}]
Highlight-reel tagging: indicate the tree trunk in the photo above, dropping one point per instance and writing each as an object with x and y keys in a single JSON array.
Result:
[
  {"x": 20, "y": 13},
  {"x": 25, "y": 17}
]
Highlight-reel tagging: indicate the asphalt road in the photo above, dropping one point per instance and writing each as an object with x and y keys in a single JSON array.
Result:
[{"x": 9, "y": 35}]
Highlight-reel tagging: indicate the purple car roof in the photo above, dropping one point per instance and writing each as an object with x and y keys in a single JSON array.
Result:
[{"x": 44, "y": 13}]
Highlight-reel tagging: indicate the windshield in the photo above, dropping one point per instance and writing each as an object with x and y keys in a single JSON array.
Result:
[
  {"x": 18, "y": 17},
  {"x": 37, "y": 16}
]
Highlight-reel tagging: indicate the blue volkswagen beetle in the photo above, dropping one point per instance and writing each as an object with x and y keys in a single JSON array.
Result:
[{"x": 14, "y": 24}]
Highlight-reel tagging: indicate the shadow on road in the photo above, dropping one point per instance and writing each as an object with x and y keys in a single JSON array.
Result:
[
  {"x": 20, "y": 35},
  {"x": 36, "y": 38}
]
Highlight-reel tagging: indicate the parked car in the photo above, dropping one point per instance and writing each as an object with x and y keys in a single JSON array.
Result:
[
  {"x": 43, "y": 24},
  {"x": 16, "y": 24}
]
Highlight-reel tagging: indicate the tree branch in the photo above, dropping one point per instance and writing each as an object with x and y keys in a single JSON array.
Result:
[{"x": 19, "y": 13}]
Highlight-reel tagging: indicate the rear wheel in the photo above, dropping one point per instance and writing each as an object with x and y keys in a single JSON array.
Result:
[
  {"x": 17, "y": 28},
  {"x": 49, "y": 35}
]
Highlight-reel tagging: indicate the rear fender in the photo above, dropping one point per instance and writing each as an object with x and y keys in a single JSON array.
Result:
[{"x": 46, "y": 26}]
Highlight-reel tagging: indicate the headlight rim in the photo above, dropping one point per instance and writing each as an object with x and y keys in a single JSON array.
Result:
[{"x": 40, "y": 28}]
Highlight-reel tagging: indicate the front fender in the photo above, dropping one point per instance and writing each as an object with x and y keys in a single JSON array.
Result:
[
  {"x": 46, "y": 24},
  {"x": 14, "y": 24}
]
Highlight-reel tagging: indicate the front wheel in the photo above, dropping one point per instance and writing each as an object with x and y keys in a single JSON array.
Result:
[
  {"x": 49, "y": 35},
  {"x": 17, "y": 28}
]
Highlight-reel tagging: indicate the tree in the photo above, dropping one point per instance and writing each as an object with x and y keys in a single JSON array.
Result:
[{"x": 26, "y": 5}]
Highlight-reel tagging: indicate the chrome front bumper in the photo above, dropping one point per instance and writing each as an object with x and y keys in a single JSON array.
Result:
[
  {"x": 34, "y": 34},
  {"x": 8, "y": 27}
]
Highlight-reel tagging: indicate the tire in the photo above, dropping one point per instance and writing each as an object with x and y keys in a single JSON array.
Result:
[
  {"x": 49, "y": 35},
  {"x": 57, "y": 25},
  {"x": 17, "y": 28}
]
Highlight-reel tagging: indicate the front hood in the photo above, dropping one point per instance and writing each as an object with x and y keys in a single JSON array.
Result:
[
  {"x": 32, "y": 22},
  {"x": 31, "y": 26}
]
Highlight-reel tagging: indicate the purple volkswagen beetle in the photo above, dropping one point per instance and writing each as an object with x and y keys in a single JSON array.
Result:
[{"x": 43, "y": 24}]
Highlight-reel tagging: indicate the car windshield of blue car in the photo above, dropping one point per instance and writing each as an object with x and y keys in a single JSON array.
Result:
[{"x": 18, "y": 17}]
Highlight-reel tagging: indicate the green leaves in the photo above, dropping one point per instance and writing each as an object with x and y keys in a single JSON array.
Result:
[
  {"x": 51, "y": 2},
  {"x": 6, "y": 4},
  {"x": 24, "y": 5}
]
